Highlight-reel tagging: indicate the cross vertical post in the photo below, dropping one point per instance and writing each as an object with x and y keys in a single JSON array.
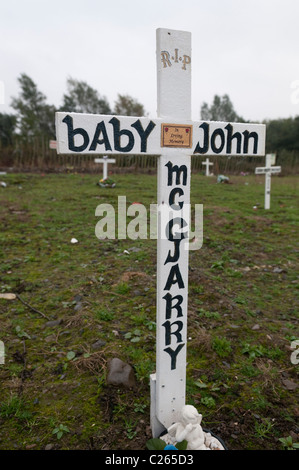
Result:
[
  {"x": 174, "y": 168},
  {"x": 267, "y": 183},
  {"x": 268, "y": 170}
]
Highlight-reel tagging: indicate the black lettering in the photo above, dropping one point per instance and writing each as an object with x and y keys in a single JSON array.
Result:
[
  {"x": 230, "y": 137},
  {"x": 173, "y": 192},
  {"x": 169, "y": 306},
  {"x": 216, "y": 133},
  {"x": 174, "y": 277},
  {"x": 118, "y": 134},
  {"x": 173, "y": 354},
  {"x": 205, "y": 147},
  {"x": 100, "y": 129},
  {"x": 178, "y": 235},
  {"x": 143, "y": 133},
  {"x": 168, "y": 326},
  {"x": 175, "y": 257},
  {"x": 71, "y": 134},
  {"x": 178, "y": 170},
  {"x": 247, "y": 136}
]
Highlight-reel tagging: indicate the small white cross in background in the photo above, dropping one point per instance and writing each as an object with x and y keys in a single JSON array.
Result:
[
  {"x": 105, "y": 160},
  {"x": 267, "y": 171},
  {"x": 207, "y": 164}
]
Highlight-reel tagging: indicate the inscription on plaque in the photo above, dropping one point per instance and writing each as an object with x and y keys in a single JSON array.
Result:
[{"x": 176, "y": 135}]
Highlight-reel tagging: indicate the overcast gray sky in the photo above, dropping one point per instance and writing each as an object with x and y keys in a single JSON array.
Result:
[{"x": 247, "y": 49}]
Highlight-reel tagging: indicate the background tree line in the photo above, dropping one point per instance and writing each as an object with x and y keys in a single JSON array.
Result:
[
  {"x": 281, "y": 134},
  {"x": 27, "y": 133},
  {"x": 36, "y": 118}
]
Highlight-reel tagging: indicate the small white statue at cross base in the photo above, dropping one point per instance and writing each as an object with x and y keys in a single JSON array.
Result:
[{"x": 189, "y": 429}]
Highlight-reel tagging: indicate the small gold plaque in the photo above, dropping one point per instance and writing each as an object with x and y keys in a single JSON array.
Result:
[{"x": 176, "y": 135}]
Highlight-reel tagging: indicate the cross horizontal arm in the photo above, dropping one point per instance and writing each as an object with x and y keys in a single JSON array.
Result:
[
  {"x": 103, "y": 134},
  {"x": 104, "y": 160},
  {"x": 269, "y": 169},
  {"x": 208, "y": 163}
]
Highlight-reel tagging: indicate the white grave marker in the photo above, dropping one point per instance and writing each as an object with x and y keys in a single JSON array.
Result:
[
  {"x": 173, "y": 137},
  {"x": 2, "y": 353},
  {"x": 272, "y": 158},
  {"x": 207, "y": 164},
  {"x": 105, "y": 160},
  {"x": 168, "y": 385},
  {"x": 268, "y": 170}
]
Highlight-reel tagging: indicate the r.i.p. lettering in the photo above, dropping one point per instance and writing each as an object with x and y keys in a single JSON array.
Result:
[{"x": 169, "y": 59}]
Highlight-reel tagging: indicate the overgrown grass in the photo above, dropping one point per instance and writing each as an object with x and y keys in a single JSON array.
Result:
[{"x": 242, "y": 314}]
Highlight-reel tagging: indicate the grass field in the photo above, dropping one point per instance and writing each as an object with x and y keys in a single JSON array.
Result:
[{"x": 242, "y": 318}]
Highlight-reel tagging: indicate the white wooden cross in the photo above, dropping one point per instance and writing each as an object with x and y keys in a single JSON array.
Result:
[
  {"x": 268, "y": 170},
  {"x": 207, "y": 164},
  {"x": 105, "y": 160},
  {"x": 173, "y": 137}
]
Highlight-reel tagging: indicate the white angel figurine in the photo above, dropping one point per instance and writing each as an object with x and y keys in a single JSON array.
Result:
[{"x": 189, "y": 429}]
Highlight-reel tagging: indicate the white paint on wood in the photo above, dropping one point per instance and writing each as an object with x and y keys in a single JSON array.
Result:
[
  {"x": 105, "y": 161},
  {"x": 172, "y": 287},
  {"x": 174, "y": 172},
  {"x": 268, "y": 170},
  {"x": 102, "y": 134},
  {"x": 207, "y": 164},
  {"x": 173, "y": 74},
  {"x": 263, "y": 170},
  {"x": 272, "y": 158}
]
